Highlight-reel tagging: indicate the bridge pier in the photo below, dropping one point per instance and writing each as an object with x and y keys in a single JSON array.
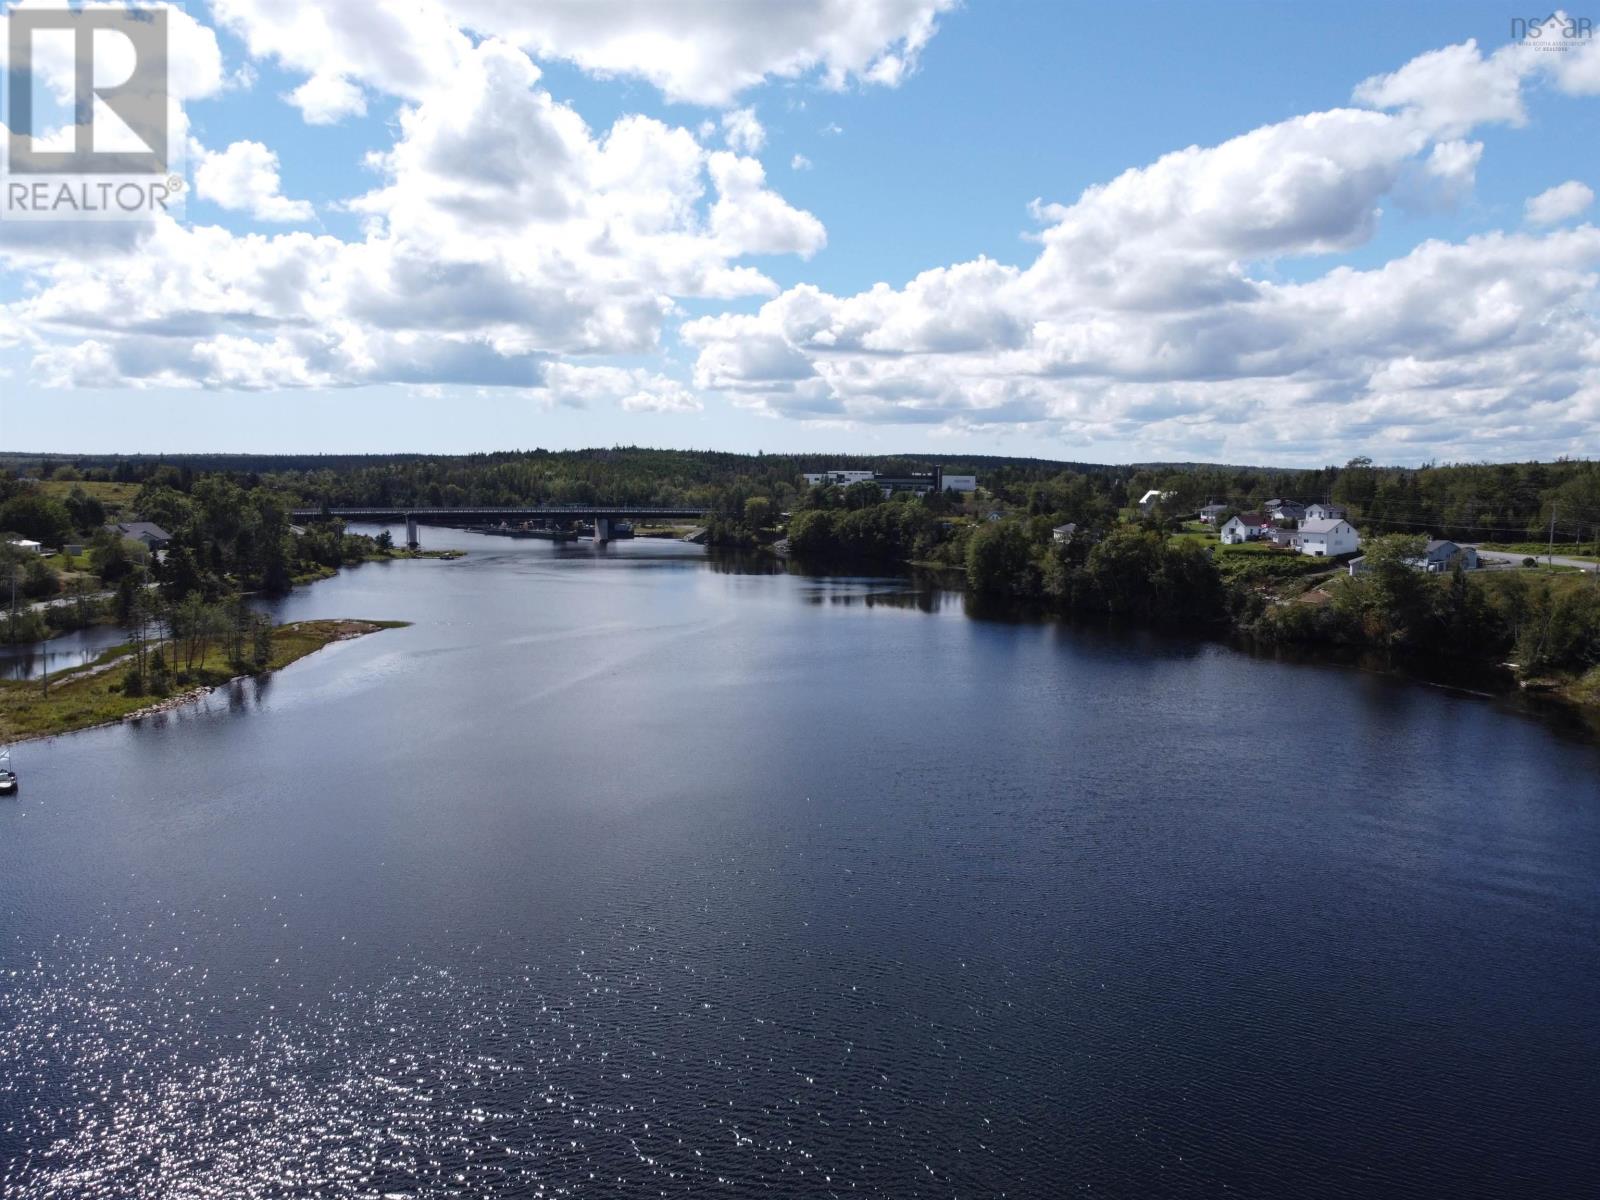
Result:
[
  {"x": 413, "y": 539},
  {"x": 602, "y": 530}
]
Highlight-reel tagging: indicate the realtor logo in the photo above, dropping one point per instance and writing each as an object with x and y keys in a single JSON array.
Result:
[
  {"x": 88, "y": 114},
  {"x": 1558, "y": 31}
]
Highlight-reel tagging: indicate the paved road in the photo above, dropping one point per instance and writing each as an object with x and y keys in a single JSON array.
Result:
[{"x": 1560, "y": 560}]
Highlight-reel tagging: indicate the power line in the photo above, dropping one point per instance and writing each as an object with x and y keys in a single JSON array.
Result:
[{"x": 1523, "y": 531}]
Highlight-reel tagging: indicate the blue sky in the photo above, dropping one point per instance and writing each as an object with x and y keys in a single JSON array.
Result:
[{"x": 1300, "y": 288}]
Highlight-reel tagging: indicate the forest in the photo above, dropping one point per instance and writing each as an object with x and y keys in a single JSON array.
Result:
[
  {"x": 228, "y": 518},
  {"x": 1466, "y": 501}
]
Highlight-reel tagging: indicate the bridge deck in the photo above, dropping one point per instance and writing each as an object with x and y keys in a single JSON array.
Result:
[{"x": 456, "y": 516}]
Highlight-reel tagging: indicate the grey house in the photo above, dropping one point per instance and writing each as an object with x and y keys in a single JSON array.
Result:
[
  {"x": 1442, "y": 555},
  {"x": 148, "y": 532}
]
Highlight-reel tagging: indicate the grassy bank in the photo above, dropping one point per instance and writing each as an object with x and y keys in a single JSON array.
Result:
[
  {"x": 321, "y": 571},
  {"x": 92, "y": 695}
]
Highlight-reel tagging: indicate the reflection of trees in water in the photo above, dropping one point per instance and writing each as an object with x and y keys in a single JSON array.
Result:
[
  {"x": 736, "y": 562},
  {"x": 1463, "y": 674},
  {"x": 850, "y": 596},
  {"x": 248, "y": 693}
]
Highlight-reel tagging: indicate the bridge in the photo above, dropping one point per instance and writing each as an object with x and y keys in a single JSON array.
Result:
[{"x": 561, "y": 514}]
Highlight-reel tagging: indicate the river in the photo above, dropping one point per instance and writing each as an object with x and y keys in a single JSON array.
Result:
[{"x": 628, "y": 872}]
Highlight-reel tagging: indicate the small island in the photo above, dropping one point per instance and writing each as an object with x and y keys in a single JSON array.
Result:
[{"x": 146, "y": 676}]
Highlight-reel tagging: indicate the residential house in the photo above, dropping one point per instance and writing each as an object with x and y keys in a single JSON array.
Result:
[
  {"x": 1327, "y": 512},
  {"x": 1063, "y": 533},
  {"x": 1285, "y": 510},
  {"x": 1150, "y": 499},
  {"x": 1440, "y": 555},
  {"x": 1211, "y": 512},
  {"x": 1288, "y": 538},
  {"x": 1244, "y": 527},
  {"x": 1328, "y": 539},
  {"x": 26, "y": 545},
  {"x": 152, "y": 535}
]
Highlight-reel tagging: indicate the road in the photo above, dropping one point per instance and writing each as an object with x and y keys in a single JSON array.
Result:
[{"x": 1560, "y": 560}]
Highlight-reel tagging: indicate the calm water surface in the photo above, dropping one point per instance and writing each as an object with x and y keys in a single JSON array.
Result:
[
  {"x": 621, "y": 874},
  {"x": 75, "y": 649}
]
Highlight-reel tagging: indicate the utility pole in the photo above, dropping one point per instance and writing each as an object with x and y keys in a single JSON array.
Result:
[{"x": 1550, "y": 554}]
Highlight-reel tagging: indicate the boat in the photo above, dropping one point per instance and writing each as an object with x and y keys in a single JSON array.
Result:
[{"x": 8, "y": 777}]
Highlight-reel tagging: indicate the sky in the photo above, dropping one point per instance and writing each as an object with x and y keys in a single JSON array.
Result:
[{"x": 1247, "y": 233}]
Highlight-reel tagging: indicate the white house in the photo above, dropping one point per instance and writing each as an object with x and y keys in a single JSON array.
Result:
[
  {"x": 1151, "y": 498},
  {"x": 1063, "y": 533},
  {"x": 1328, "y": 538},
  {"x": 1326, "y": 512},
  {"x": 1211, "y": 512},
  {"x": 27, "y": 545},
  {"x": 1242, "y": 528}
]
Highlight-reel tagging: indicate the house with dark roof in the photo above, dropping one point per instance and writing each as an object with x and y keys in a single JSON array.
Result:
[
  {"x": 1285, "y": 510},
  {"x": 152, "y": 535},
  {"x": 1245, "y": 527}
]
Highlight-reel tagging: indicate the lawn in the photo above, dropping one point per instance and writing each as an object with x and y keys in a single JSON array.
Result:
[{"x": 1196, "y": 531}]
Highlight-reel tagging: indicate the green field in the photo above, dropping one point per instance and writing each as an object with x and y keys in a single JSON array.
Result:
[{"x": 115, "y": 496}]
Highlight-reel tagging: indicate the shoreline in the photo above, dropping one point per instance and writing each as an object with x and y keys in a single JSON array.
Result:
[
  {"x": 80, "y": 698},
  {"x": 1563, "y": 698}
]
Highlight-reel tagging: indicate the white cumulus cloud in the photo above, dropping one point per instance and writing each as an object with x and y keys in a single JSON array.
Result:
[
  {"x": 743, "y": 131},
  {"x": 700, "y": 51},
  {"x": 1151, "y": 316},
  {"x": 244, "y": 178},
  {"x": 1560, "y": 203}
]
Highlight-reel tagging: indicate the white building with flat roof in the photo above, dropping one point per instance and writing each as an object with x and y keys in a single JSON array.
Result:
[
  {"x": 894, "y": 483},
  {"x": 838, "y": 478}
]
